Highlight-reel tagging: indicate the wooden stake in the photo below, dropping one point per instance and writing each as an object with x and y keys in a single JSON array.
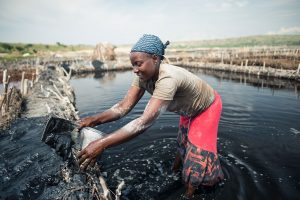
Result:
[
  {"x": 25, "y": 86},
  {"x": 5, "y": 84},
  {"x": 4, "y": 76},
  {"x": 6, "y": 91},
  {"x": 22, "y": 83}
]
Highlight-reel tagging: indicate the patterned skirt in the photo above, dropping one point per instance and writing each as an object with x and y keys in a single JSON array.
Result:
[{"x": 197, "y": 139}]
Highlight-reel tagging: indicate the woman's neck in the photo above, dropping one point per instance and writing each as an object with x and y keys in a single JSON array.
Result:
[{"x": 155, "y": 77}]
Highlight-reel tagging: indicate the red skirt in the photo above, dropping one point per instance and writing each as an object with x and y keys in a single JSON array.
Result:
[{"x": 197, "y": 141}]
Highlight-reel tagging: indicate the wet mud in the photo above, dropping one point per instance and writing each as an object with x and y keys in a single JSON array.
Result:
[
  {"x": 35, "y": 165},
  {"x": 31, "y": 169}
]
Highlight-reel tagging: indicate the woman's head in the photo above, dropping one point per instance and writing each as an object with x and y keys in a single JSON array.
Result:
[
  {"x": 146, "y": 56},
  {"x": 150, "y": 44}
]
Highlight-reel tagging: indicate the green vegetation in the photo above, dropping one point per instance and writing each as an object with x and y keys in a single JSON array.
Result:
[
  {"x": 11, "y": 51},
  {"x": 19, "y": 50},
  {"x": 250, "y": 41}
]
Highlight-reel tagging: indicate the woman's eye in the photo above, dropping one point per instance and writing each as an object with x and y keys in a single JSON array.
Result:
[{"x": 138, "y": 64}]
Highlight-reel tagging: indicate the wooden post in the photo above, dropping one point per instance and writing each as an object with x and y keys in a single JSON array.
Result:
[
  {"x": 4, "y": 76},
  {"x": 25, "y": 86},
  {"x": 7, "y": 95},
  {"x": 246, "y": 64},
  {"x": 264, "y": 66},
  {"x": 22, "y": 83},
  {"x": 298, "y": 70},
  {"x": 5, "y": 84},
  {"x": 2, "y": 108}
]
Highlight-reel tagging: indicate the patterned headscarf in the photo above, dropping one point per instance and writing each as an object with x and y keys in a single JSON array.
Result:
[{"x": 150, "y": 44}]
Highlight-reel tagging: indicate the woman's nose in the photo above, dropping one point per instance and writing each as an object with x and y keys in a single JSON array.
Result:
[{"x": 135, "y": 69}]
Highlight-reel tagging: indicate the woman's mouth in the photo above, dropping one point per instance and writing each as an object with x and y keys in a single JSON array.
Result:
[{"x": 140, "y": 75}]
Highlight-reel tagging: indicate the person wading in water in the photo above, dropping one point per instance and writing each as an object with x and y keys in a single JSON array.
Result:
[{"x": 173, "y": 89}]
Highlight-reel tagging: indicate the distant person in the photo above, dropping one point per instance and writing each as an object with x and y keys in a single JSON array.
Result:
[{"x": 173, "y": 89}]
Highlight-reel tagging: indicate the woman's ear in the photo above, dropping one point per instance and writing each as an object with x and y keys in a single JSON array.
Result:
[{"x": 156, "y": 58}]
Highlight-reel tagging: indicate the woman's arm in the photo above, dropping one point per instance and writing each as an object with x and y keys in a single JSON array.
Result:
[
  {"x": 117, "y": 111},
  {"x": 152, "y": 111}
]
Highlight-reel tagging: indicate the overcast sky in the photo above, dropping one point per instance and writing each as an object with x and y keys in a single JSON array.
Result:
[{"x": 123, "y": 22}]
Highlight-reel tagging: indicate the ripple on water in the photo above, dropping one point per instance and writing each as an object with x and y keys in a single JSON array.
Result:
[
  {"x": 295, "y": 131},
  {"x": 236, "y": 117},
  {"x": 240, "y": 177}
]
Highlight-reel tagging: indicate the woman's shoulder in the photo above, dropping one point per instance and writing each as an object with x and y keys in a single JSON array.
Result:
[
  {"x": 166, "y": 65},
  {"x": 171, "y": 71}
]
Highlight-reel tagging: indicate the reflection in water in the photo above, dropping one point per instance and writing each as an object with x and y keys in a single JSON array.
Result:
[
  {"x": 107, "y": 77},
  {"x": 257, "y": 81},
  {"x": 104, "y": 77},
  {"x": 258, "y": 140},
  {"x": 98, "y": 75}
]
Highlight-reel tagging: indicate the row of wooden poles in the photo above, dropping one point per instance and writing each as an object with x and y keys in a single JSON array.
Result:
[
  {"x": 247, "y": 52},
  {"x": 245, "y": 63},
  {"x": 292, "y": 55},
  {"x": 7, "y": 94}
]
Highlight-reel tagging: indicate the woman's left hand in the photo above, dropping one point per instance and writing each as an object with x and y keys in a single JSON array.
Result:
[
  {"x": 86, "y": 122},
  {"x": 87, "y": 156}
]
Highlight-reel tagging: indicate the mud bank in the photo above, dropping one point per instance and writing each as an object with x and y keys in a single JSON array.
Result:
[
  {"x": 254, "y": 80},
  {"x": 51, "y": 94},
  {"x": 29, "y": 168},
  {"x": 259, "y": 71},
  {"x": 76, "y": 64}
]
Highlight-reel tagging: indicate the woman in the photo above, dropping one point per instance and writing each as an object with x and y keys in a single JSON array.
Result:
[{"x": 173, "y": 89}]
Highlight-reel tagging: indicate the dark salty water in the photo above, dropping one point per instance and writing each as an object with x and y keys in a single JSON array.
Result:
[{"x": 258, "y": 141}]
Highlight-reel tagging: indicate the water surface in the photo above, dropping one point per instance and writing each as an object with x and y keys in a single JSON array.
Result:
[{"x": 258, "y": 141}]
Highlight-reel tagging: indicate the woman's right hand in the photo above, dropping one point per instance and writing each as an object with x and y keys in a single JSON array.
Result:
[{"x": 87, "y": 156}]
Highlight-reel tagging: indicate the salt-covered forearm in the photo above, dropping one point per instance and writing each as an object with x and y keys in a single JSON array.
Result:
[
  {"x": 114, "y": 113},
  {"x": 127, "y": 132},
  {"x": 120, "y": 109},
  {"x": 135, "y": 127}
]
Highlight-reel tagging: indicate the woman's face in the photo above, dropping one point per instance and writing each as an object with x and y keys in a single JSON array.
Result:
[{"x": 144, "y": 65}]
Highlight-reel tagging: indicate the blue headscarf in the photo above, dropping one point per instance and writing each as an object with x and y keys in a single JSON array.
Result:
[{"x": 150, "y": 44}]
